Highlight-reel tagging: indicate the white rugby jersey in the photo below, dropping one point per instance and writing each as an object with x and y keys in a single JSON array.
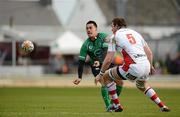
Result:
[{"x": 130, "y": 43}]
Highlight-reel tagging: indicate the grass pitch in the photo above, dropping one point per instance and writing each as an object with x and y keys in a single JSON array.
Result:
[{"x": 82, "y": 102}]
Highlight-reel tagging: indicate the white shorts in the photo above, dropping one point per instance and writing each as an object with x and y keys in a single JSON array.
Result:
[{"x": 136, "y": 71}]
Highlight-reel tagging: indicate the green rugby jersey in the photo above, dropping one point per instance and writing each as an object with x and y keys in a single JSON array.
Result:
[{"x": 95, "y": 49}]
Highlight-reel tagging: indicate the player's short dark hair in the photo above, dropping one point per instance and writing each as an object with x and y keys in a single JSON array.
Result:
[
  {"x": 119, "y": 21},
  {"x": 92, "y": 22}
]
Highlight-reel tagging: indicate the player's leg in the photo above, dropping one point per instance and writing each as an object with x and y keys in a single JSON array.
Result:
[
  {"x": 105, "y": 96},
  {"x": 139, "y": 73},
  {"x": 119, "y": 86},
  {"x": 118, "y": 80},
  {"x": 119, "y": 83},
  {"x": 109, "y": 77},
  {"x": 104, "y": 91},
  {"x": 149, "y": 92}
]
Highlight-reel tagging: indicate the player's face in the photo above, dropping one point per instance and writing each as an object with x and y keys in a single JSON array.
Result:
[
  {"x": 114, "y": 28},
  {"x": 91, "y": 30}
]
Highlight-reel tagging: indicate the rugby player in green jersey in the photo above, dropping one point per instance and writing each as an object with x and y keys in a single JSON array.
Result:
[{"x": 95, "y": 47}]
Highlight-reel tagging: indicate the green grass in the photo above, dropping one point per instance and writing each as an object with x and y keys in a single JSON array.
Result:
[{"x": 81, "y": 102}]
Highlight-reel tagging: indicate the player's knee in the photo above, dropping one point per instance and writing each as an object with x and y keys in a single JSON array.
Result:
[
  {"x": 119, "y": 82},
  {"x": 110, "y": 75},
  {"x": 140, "y": 85}
]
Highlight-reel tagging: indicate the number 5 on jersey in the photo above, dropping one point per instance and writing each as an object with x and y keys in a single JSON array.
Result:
[{"x": 130, "y": 38}]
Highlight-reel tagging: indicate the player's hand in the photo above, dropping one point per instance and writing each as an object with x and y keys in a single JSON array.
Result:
[
  {"x": 77, "y": 81},
  {"x": 152, "y": 70},
  {"x": 98, "y": 79}
]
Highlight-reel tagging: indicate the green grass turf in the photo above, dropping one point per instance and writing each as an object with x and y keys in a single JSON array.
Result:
[{"x": 81, "y": 102}]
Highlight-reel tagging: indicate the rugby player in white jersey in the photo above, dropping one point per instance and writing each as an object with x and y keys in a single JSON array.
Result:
[{"x": 137, "y": 65}]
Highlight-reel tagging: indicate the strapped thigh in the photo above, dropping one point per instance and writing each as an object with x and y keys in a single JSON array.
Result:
[
  {"x": 113, "y": 76},
  {"x": 110, "y": 74},
  {"x": 119, "y": 74}
]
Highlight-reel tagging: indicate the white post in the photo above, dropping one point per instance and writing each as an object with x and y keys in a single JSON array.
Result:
[{"x": 13, "y": 52}]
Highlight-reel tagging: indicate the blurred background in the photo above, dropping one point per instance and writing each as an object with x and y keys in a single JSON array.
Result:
[{"x": 57, "y": 29}]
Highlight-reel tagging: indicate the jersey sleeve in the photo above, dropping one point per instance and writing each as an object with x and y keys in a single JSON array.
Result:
[
  {"x": 83, "y": 52},
  {"x": 112, "y": 44},
  {"x": 103, "y": 35}
]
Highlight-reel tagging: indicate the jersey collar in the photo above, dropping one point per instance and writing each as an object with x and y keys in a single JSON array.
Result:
[{"x": 94, "y": 38}]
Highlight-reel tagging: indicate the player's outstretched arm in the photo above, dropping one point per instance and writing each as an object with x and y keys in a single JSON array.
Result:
[{"x": 80, "y": 72}]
